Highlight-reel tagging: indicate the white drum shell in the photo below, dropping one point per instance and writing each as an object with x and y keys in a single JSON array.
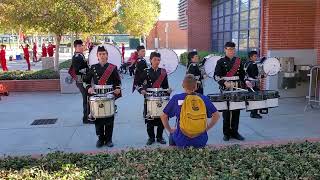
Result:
[
  {"x": 237, "y": 105},
  {"x": 252, "y": 105},
  {"x": 102, "y": 107},
  {"x": 155, "y": 106},
  {"x": 274, "y": 102},
  {"x": 220, "y": 106}
]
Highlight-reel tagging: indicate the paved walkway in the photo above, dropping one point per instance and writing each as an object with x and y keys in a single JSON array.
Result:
[{"x": 19, "y": 110}]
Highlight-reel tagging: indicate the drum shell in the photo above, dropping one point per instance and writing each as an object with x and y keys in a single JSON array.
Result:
[
  {"x": 102, "y": 106},
  {"x": 219, "y": 101},
  {"x": 236, "y": 100},
  {"x": 155, "y": 106},
  {"x": 255, "y": 100},
  {"x": 272, "y": 98}
]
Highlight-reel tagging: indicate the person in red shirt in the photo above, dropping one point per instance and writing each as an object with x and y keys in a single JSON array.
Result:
[
  {"x": 26, "y": 55},
  {"x": 122, "y": 52},
  {"x": 34, "y": 50},
  {"x": 44, "y": 50},
  {"x": 50, "y": 49},
  {"x": 3, "y": 60}
]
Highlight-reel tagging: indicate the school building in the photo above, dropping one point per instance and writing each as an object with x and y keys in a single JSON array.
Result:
[{"x": 275, "y": 28}]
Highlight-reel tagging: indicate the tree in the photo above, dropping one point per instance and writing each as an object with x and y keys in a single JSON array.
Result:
[
  {"x": 79, "y": 16},
  {"x": 139, "y": 17}
]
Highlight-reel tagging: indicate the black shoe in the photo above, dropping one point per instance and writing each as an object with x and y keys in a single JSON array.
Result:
[
  {"x": 256, "y": 116},
  {"x": 161, "y": 141},
  {"x": 238, "y": 137},
  {"x": 226, "y": 138},
  {"x": 100, "y": 143},
  {"x": 109, "y": 144},
  {"x": 150, "y": 141}
]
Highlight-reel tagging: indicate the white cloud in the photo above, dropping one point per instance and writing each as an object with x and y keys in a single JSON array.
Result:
[{"x": 169, "y": 10}]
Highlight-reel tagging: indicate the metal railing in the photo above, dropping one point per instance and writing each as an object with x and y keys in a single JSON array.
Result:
[{"x": 314, "y": 89}]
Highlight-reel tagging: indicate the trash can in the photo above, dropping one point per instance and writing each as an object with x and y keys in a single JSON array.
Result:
[{"x": 67, "y": 84}]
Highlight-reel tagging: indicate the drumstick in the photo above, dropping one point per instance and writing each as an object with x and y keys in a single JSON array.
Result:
[{"x": 252, "y": 89}]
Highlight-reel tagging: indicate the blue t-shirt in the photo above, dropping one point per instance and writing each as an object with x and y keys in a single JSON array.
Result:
[{"x": 174, "y": 108}]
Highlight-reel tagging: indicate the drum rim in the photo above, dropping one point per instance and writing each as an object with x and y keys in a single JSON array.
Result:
[
  {"x": 102, "y": 87},
  {"x": 101, "y": 97},
  {"x": 156, "y": 90},
  {"x": 151, "y": 98}
]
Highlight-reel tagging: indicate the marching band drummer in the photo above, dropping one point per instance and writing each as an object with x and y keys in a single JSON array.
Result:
[
  {"x": 140, "y": 67},
  {"x": 229, "y": 73},
  {"x": 154, "y": 77},
  {"x": 104, "y": 73},
  {"x": 252, "y": 76},
  {"x": 77, "y": 71},
  {"x": 193, "y": 68}
]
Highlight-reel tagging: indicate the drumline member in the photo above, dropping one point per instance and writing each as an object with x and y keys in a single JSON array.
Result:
[
  {"x": 77, "y": 71},
  {"x": 104, "y": 73},
  {"x": 229, "y": 73},
  {"x": 252, "y": 76},
  {"x": 154, "y": 77},
  {"x": 193, "y": 68},
  {"x": 141, "y": 66}
]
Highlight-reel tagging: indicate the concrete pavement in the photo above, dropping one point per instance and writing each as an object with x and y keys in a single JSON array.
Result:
[{"x": 19, "y": 110}]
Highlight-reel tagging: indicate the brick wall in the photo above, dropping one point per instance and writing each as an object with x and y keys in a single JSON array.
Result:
[
  {"x": 32, "y": 85},
  {"x": 317, "y": 31},
  {"x": 199, "y": 24},
  {"x": 177, "y": 38},
  {"x": 287, "y": 24}
]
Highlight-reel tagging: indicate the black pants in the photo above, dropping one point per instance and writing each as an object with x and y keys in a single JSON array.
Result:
[
  {"x": 131, "y": 70},
  {"x": 152, "y": 123},
  {"x": 104, "y": 128},
  {"x": 84, "y": 101},
  {"x": 150, "y": 128},
  {"x": 231, "y": 122}
]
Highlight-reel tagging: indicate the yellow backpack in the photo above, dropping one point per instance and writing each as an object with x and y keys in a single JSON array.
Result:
[{"x": 193, "y": 116}]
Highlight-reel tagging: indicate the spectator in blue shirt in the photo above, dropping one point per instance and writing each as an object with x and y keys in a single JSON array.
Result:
[{"x": 173, "y": 108}]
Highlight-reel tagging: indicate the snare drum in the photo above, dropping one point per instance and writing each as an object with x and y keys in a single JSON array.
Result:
[
  {"x": 272, "y": 98},
  {"x": 255, "y": 100},
  {"x": 102, "y": 106},
  {"x": 157, "y": 99},
  {"x": 236, "y": 100},
  {"x": 219, "y": 101},
  {"x": 102, "y": 89}
]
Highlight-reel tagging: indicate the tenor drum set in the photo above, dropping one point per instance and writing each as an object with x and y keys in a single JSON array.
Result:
[{"x": 240, "y": 99}]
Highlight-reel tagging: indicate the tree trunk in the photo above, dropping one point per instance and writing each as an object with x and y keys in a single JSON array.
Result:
[
  {"x": 71, "y": 39},
  {"x": 56, "y": 60}
]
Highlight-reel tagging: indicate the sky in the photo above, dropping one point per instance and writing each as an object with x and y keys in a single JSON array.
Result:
[{"x": 169, "y": 10}]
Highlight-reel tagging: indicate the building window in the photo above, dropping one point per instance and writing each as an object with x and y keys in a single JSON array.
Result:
[{"x": 237, "y": 21}]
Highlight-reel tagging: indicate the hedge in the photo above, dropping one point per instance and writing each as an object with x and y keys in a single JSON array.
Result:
[
  {"x": 291, "y": 161},
  {"x": 202, "y": 54},
  {"x": 29, "y": 75}
]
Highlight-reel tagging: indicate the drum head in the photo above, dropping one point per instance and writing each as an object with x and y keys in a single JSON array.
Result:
[
  {"x": 271, "y": 66},
  {"x": 169, "y": 60},
  {"x": 114, "y": 55},
  {"x": 210, "y": 64}
]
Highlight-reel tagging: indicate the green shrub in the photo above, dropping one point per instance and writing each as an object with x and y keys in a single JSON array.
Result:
[
  {"x": 41, "y": 74},
  {"x": 65, "y": 64},
  {"x": 291, "y": 161}
]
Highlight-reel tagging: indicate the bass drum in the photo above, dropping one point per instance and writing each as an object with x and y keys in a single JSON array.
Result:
[
  {"x": 169, "y": 60},
  {"x": 210, "y": 64},
  {"x": 114, "y": 55},
  {"x": 271, "y": 66}
]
